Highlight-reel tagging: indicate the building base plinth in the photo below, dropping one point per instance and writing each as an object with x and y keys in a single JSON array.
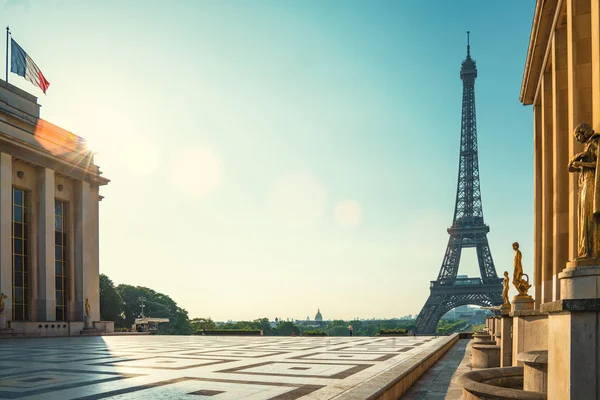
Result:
[
  {"x": 573, "y": 348},
  {"x": 506, "y": 341},
  {"x": 580, "y": 281}
]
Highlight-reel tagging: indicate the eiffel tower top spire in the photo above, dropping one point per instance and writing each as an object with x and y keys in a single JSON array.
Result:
[
  {"x": 468, "y": 210},
  {"x": 468, "y": 45},
  {"x": 468, "y": 70}
]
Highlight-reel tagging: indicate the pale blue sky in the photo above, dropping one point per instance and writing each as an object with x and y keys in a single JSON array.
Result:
[{"x": 232, "y": 130}]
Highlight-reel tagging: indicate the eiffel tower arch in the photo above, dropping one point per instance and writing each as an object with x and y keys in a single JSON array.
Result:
[{"x": 468, "y": 228}]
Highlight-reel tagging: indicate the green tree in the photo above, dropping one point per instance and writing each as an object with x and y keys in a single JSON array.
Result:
[
  {"x": 199, "y": 324},
  {"x": 111, "y": 303},
  {"x": 157, "y": 305},
  {"x": 286, "y": 328}
]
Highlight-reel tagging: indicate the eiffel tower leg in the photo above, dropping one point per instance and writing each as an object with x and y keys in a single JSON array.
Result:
[
  {"x": 426, "y": 322},
  {"x": 451, "y": 259},
  {"x": 484, "y": 256}
]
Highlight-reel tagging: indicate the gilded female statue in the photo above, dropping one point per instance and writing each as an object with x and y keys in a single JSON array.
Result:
[
  {"x": 87, "y": 307},
  {"x": 521, "y": 284},
  {"x": 588, "y": 210},
  {"x": 506, "y": 283}
]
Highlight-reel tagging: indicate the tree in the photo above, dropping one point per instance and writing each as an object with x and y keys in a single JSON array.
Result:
[
  {"x": 286, "y": 329},
  {"x": 199, "y": 324},
  {"x": 157, "y": 305},
  {"x": 111, "y": 302}
]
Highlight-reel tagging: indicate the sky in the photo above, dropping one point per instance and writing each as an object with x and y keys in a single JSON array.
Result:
[{"x": 269, "y": 158}]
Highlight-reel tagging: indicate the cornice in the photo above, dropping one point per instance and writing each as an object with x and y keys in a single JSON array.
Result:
[
  {"x": 37, "y": 156},
  {"x": 542, "y": 25}
]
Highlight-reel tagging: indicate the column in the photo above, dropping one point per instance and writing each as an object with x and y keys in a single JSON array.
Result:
[
  {"x": 537, "y": 199},
  {"x": 547, "y": 188},
  {"x": 560, "y": 144},
  {"x": 579, "y": 94},
  {"x": 86, "y": 259},
  {"x": 46, "y": 310},
  {"x": 6, "y": 232},
  {"x": 93, "y": 281}
]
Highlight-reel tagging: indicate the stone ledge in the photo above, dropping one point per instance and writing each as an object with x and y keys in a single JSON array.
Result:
[
  {"x": 534, "y": 357},
  {"x": 394, "y": 382},
  {"x": 528, "y": 313},
  {"x": 497, "y": 383},
  {"x": 571, "y": 305}
]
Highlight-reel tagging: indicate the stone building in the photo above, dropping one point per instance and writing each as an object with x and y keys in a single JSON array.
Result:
[
  {"x": 556, "y": 338},
  {"x": 49, "y": 201}
]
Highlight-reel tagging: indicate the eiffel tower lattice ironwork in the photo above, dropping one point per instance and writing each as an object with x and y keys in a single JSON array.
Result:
[{"x": 468, "y": 228}]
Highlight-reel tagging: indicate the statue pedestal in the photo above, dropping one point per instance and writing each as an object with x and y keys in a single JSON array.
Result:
[
  {"x": 522, "y": 303},
  {"x": 529, "y": 328},
  {"x": 88, "y": 322},
  {"x": 505, "y": 309},
  {"x": 2, "y": 321},
  {"x": 506, "y": 342},
  {"x": 580, "y": 280},
  {"x": 573, "y": 331}
]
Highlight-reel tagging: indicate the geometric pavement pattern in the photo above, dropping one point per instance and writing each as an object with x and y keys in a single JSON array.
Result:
[{"x": 198, "y": 367}]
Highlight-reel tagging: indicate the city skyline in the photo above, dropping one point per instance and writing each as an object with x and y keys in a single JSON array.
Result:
[{"x": 315, "y": 167}]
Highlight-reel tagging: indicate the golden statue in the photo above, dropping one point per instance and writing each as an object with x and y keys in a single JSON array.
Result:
[
  {"x": 506, "y": 283},
  {"x": 2, "y": 298},
  {"x": 87, "y": 307},
  {"x": 521, "y": 284},
  {"x": 588, "y": 209}
]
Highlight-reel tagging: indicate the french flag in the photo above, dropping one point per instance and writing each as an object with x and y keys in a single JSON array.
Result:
[{"x": 22, "y": 65}]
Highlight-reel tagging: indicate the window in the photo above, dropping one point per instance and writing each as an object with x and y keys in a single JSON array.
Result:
[
  {"x": 60, "y": 259},
  {"x": 20, "y": 255}
]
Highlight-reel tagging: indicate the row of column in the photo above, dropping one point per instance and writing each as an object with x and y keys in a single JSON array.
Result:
[
  {"x": 564, "y": 99},
  {"x": 83, "y": 279}
]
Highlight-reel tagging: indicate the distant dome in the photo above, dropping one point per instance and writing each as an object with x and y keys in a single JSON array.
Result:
[{"x": 318, "y": 317}]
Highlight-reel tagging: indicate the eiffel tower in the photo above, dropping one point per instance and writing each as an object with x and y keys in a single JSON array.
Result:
[{"x": 468, "y": 228}]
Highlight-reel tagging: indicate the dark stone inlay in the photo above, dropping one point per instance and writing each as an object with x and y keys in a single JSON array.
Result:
[
  {"x": 205, "y": 392},
  {"x": 299, "y": 368},
  {"x": 340, "y": 375},
  {"x": 306, "y": 357},
  {"x": 116, "y": 363},
  {"x": 110, "y": 376},
  {"x": 33, "y": 380},
  {"x": 301, "y": 390}
]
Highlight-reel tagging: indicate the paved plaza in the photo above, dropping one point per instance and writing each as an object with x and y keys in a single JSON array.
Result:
[{"x": 203, "y": 367}]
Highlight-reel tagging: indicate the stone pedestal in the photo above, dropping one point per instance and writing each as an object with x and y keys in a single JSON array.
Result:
[
  {"x": 88, "y": 322},
  {"x": 535, "y": 370},
  {"x": 485, "y": 356},
  {"x": 573, "y": 332},
  {"x": 2, "y": 321},
  {"x": 580, "y": 282},
  {"x": 530, "y": 332},
  {"x": 522, "y": 303},
  {"x": 481, "y": 337},
  {"x": 506, "y": 342}
]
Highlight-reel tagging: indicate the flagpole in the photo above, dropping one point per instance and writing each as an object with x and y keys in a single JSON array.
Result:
[{"x": 7, "y": 32}]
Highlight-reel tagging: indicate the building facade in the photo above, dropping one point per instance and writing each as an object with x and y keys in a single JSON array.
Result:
[
  {"x": 49, "y": 210},
  {"x": 562, "y": 82}
]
